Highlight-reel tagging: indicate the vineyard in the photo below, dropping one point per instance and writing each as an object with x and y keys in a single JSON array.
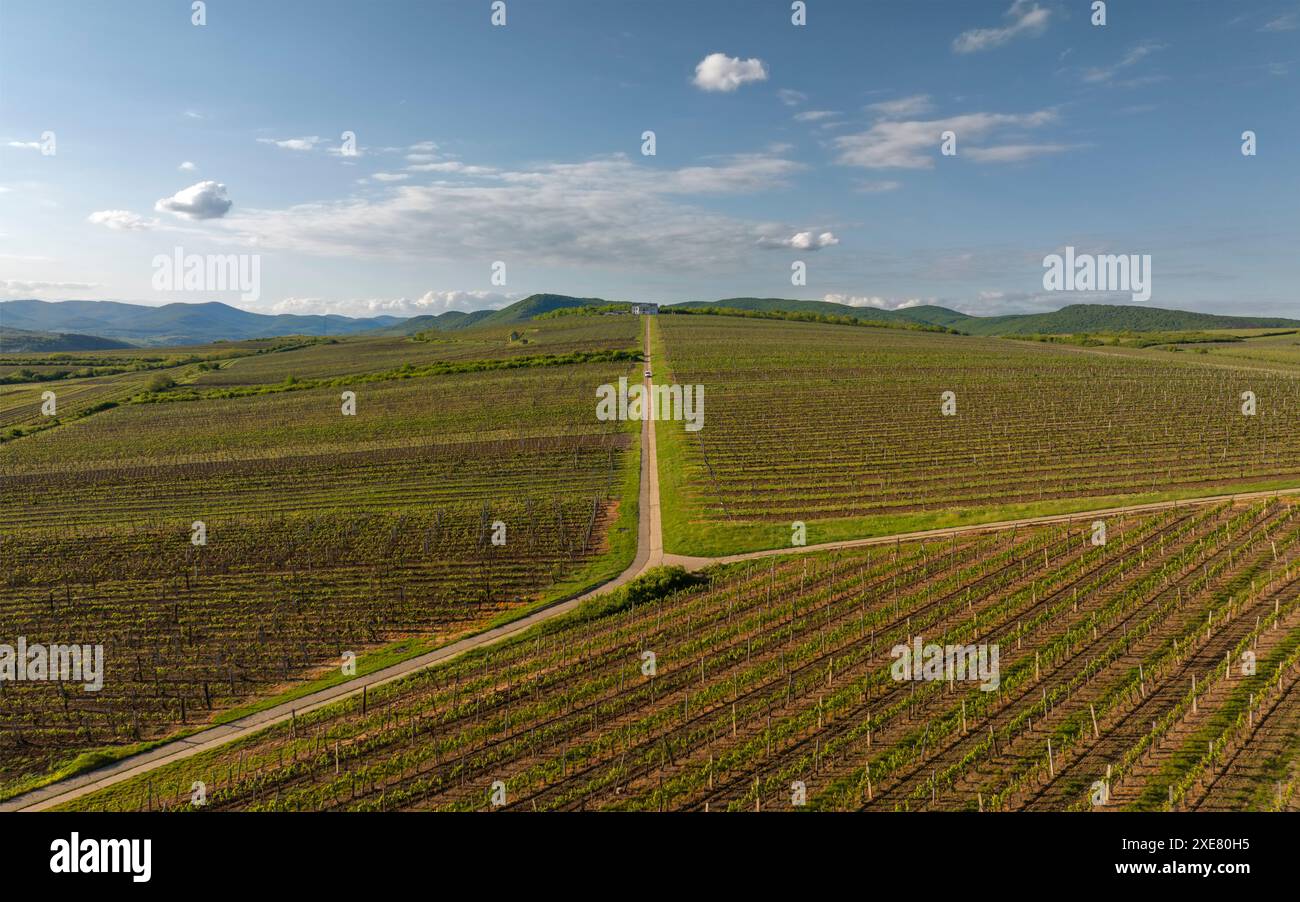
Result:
[
  {"x": 1153, "y": 670},
  {"x": 442, "y": 504},
  {"x": 412, "y": 443},
  {"x": 844, "y": 429}
]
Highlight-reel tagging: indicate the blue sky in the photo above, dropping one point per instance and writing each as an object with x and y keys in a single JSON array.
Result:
[{"x": 774, "y": 143}]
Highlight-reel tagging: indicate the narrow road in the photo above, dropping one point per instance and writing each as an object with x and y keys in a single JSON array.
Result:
[{"x": 650, "y": 553}]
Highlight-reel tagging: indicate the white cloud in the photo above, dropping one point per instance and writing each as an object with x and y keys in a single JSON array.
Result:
[
  {"x": 204, "y": 200},
  {"x": 719, "y": 72},
  {"x": 878, "y": 187},
  {"x": 802, "y": 241},
  {"x": 1284, "y": 22},
  {"x": 1023, "y": 17},
  {"x": 305, "y": 143},
  {"x": 429, "y": 303},
  {"x": 912, "y": 144},
  {"x": 390, "y": 176},
  {"x": 122, "y": 221},
  {"x": 188, "y": 166},
  {"x": 1013, "y": 153},
  {"x": 18, "y": 288},
  {"x": 605, "y": 212},
  {"x": 190, "y": 114},
  {"x": 814, "y": 115},
  {"x": 915, "y": 105},
  {"x": 452, "y": 166},
  {"x": 25, "y": 145},
  {"x": 854, "y": 300},
  {"x": 790, "y": 97},
  {"x": 1103, "y": 74}
]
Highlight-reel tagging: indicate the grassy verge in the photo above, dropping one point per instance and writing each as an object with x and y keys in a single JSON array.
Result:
[
  {"x": 717, "y": 538},
  {"x": 688, "y": 532}
]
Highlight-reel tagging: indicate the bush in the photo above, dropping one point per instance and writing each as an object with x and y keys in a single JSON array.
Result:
[
  {"x": 657, "y": 583},
  {"x": 160, "y": 382}
]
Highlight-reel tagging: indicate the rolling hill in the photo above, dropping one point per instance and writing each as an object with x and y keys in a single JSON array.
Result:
[
  {"x": 82, "y": 322},
  {"x": 1077, "y": 318},
  {"x": 1071, "y": 319},
  {"x": 933, "y": 315},
  {"x": 520, "y": 311},
  {"x": 24, "y": 341}
]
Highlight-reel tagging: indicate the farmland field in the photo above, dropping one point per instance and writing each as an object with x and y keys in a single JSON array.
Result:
[
  {"x": 842, "y": 428},
  {"x": 323, "y": 533},
  {"x": 327, "y": 534},
  {"x": 773, "y": 678}
]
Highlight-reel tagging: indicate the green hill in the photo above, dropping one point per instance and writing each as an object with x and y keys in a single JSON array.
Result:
[
  {"x": 925, "y": 314},
  {"x": 26, "y": 341},
  {"x": 1092, "y": 318},
  {"x": 520, "y": 311},
  {"x": 1073, "y": 319},
  {"x": 534, "y": 305},
  {"x": 440, "y": 322}
]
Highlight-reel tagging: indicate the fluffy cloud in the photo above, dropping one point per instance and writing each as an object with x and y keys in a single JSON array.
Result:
[
  {"x": 122, "y": 220},
  {"x": 204, "y": 200},
  {"x": 1024, "y": 17},
  {"x": 719, "y": 72},
  {"x": 790, "y": 97},
  {"x": 811, "y": 241},
  {"x": 25, "y": 145},
  {"x": 454, "y": 166},
  {"x": 605, "y": 212},
  {"x": 431, "y": 302},
  {"x": 17, "y": 288},
  {"x": 912, "y": 144},
  {"x": 854, "y": 300},
  {"x": 188, "y": 166},
  {"x": 305, "y": 143}
]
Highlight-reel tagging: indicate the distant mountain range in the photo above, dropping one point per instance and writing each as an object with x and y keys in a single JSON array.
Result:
[
  {"x": 173, "y": 324},
  {"x": 31, "y": 325}
]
